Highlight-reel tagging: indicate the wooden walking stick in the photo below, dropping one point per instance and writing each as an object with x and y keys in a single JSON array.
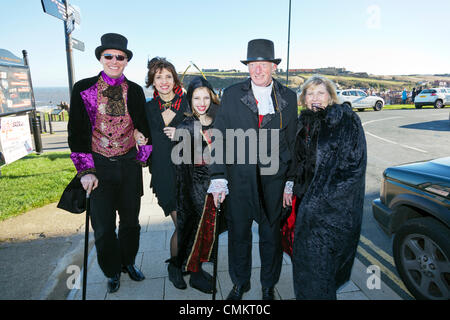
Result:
[
  {"x": 216, "y": 248},
  {"x": 86, "y": 244}
]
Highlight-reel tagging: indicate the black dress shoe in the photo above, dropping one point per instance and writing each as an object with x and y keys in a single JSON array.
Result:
[
  {"x": 114, "y": 283},
  {"x": 176, "y": 276},
  {"x": 238, "y": 291},
  {"x": 200, "y": 282},
  {"x": 134, "y": 273},
  {"x": 268, "y": 293}
]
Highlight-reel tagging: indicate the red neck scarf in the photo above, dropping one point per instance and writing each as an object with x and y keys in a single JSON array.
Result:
[{"x": 174, "y": 105}]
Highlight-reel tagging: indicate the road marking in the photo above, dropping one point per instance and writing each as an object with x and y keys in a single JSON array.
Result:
[
  {"x": 378, "y": 250},
  {"x": 367, "y": 122},
  {"x": 393, "y": 142},
  {"x": 383, "y": 269}
]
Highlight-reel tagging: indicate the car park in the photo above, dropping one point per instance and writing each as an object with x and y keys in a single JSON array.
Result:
[
  {"x": 414, "y": 206},
  {"x": 437, "y": 97},
  {"x": 359, "y": 100}
]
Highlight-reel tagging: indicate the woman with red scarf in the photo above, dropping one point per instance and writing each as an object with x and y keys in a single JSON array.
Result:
[{"x": 164, "y": 113}]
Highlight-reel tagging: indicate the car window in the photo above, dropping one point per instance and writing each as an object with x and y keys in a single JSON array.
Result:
[
  {"x": 345, "y": 93},
  {"x": 428, "y": 91},
  {"x": 361, "y": 94},
  {"x": 353, "y": 93}
]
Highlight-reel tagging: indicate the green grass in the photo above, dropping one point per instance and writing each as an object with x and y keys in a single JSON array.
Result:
[{"x": 34, "y": 181}]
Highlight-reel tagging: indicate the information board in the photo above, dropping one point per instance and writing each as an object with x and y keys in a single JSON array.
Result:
[{"x": 15, "y": 90}]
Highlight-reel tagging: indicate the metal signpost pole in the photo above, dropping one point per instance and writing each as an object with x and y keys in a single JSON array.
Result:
[
  {"x": 68, "y": 26},
  {"x": 34, "y": 122},
  {"x": 62, "y": 10}
]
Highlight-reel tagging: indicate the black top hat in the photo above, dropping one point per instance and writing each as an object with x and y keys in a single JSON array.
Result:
[
  {"x": 260, "y": 50},
  {"x": 113, "y": 41}
]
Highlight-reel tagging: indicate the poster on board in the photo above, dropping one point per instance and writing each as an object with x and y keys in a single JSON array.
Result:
[
  {"x": 15, "y": 87},
  {"x": 15, "y": 139}
]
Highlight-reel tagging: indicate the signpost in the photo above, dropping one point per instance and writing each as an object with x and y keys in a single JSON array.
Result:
[{"x": 62, "y": 10}]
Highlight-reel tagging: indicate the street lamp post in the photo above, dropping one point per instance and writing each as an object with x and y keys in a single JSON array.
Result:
[{"x": 289, "y": 42}]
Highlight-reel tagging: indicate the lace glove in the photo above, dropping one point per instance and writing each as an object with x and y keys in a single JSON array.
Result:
[
  {"x": 218, "y": 185},
  {"x": 288, "y": 187}
]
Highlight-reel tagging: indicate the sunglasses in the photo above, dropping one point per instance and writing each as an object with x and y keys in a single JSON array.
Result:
[{"x": 119, "y": 57}]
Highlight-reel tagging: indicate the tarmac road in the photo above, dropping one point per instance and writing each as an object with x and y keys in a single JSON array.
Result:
[
  {"x": 34, "y": 254},
  {"x": 396, "y": 137}
]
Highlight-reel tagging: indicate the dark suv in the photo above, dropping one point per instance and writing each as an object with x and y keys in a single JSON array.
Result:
[{"x": 414, "y": 205}]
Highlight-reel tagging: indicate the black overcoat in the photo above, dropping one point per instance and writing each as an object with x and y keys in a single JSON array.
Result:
[
  {"x": 329, "y": 215},
  {"x": 239, "y": 111},
  {"x": 161, "y": 166}
]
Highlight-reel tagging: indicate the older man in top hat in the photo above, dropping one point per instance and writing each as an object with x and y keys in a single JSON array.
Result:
[
  {"x": 259, "y": 107},
  {"x": 104, "y": 112}
]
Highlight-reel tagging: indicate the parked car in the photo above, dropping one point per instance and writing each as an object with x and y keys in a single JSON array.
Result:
[
  {"x": 359, "y": 100},
  {"x": 437, "y": 97},
  {"x": 414, "y": 205}
]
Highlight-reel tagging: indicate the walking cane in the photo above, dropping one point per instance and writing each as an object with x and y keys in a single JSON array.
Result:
[
  {"x": 216, "y": 249},
  {"x": 86, "y": 244}
]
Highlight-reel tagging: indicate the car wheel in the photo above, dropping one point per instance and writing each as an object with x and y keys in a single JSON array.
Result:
[
  {"x": 438, "y": 104},
  {"x": 418, "y": 106},
  {"x": 378, "y": 106},
  {"x": 422, "y": 256}
]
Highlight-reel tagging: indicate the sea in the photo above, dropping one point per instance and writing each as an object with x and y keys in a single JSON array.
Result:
[{"x": 51, "y": 97}]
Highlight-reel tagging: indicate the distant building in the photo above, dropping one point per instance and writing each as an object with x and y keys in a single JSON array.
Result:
[
  {"x": 210, "y": 70},
  {"x": 331, "y": 71},
  {"x": 302, "y": 70}
]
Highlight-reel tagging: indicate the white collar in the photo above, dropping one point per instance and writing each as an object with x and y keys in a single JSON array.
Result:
[{"x": 264, "y": 97}]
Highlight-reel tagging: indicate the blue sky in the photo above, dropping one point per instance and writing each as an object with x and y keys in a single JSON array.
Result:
[{"x": 375, "y": 36}]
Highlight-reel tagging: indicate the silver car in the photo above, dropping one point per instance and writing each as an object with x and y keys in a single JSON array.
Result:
[
  {"x": 437, "y": 97},
  {"x": 359, "y": 100}
]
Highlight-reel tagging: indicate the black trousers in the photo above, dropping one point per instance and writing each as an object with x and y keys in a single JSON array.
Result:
[
  {"x": 119, "y": 190},
  {"x": 240, "y": 249}
]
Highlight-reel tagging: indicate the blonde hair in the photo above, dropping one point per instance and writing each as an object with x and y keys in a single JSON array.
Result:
[{"x": 317, "y": 80}]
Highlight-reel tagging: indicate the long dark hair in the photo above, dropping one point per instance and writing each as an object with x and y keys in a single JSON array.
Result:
[
  {"x": 200, "y": 82},
  {"x": 157, "y": 64}
]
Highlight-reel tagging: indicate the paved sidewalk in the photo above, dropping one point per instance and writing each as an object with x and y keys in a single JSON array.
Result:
[{"x": 156, "y": 231}]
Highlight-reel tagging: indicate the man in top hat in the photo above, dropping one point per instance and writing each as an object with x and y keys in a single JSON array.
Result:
[
  {"x": 253, "y": 192},
  {"x": 104, "y": 112}
]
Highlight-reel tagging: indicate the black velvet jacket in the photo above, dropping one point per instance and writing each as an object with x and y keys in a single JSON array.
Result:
[{"x": 79, "y": 127}]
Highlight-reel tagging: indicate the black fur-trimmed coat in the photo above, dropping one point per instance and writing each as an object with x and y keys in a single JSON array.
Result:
[{"x": 331, "y": 157}]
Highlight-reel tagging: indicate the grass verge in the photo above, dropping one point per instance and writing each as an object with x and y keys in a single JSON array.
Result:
[{"x": 34, "y": 181}]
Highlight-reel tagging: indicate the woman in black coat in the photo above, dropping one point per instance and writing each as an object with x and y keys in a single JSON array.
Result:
[
  {"x": 164, "y": 113},
  {"x": 329, "y": 185},
  {"x": 193, "y": 175}
]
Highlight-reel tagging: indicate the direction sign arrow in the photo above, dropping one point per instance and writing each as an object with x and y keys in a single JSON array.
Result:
[
  {"x": 75, "y": 13},
  {"x": 55, "y": 8},
  {"x": 77, "y": 44}
]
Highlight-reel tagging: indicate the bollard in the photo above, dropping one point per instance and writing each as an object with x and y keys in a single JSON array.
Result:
[
  {"x": 50, "y": 122},
  {"x": 38, "y": 121},
  {"x": 43, "y": 124}
]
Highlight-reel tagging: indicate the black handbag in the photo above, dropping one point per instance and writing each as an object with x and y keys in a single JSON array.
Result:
[{"x": 73, "y": 198}]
